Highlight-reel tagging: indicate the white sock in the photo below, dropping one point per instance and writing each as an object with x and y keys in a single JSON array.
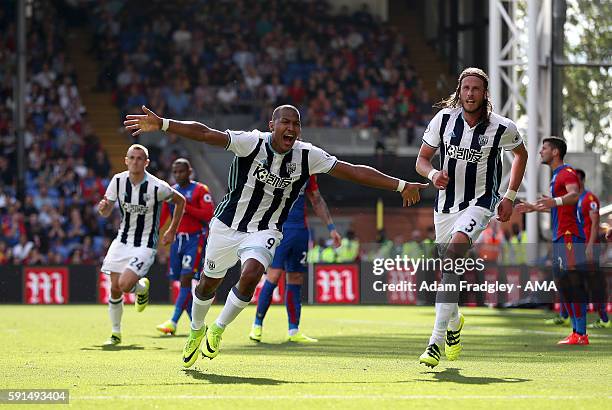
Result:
[
  {"x": 443, "y": 314},
  {"x": 234, "y": 304},
  {"x": 454, "y": 322},
  {"x": 115, "y": 311},
  {"x": 199, "y": 309},
  {"x": 293, "y": 332},
  {"x": 140, "y": 287}
]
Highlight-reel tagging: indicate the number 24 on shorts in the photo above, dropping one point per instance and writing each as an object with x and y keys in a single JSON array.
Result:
[{"x": 134, "y": 263}]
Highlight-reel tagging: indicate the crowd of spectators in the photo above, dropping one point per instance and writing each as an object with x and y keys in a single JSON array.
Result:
[
  {"x": 66, "y": 168},
  {"x": 187, "y": 58},
  {"x": 195, "y": 58}
]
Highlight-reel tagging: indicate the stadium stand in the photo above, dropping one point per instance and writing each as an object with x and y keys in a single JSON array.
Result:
[
  {"x": 66, "y": 168},
  {"x": 345, "y": 70}
]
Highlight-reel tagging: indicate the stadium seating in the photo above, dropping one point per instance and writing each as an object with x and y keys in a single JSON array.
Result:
[
  {"x": 339, "y": 71},
  {"x": 66, "y": 168}
]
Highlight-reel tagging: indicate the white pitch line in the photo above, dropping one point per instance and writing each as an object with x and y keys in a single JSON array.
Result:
[{"x": 342, "y": 397}]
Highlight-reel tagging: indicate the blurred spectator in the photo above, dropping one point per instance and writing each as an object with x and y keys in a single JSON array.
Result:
[
  {"x": 6, "y": 253},
  {"x": 22, "y": 249},
  {"x": 66, "y": 168},
  {"x": 177, "y": 99},
  {"x": 349, "y": 249}
]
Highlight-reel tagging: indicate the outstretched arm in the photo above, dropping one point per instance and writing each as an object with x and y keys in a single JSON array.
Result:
[
  {"x": 137, "y": 124},
  {"x": 368, "y": 176},
  {"x": 545, "y": 203}
]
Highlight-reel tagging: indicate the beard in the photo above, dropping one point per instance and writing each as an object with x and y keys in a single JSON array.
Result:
[
  {"x": 479, "y": 108},
  {"x": 545, "y": 161}
]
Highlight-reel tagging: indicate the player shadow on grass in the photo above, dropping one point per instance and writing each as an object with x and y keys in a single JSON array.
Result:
[
  {"x": 453, "y": 375},
  {"x": 409, "y": 346},
  {"x": 263, "y": 381},
  {"x": 100, "y": 348},
  {"x": 167, "y": 337},
  {"x": 221, "y": 379}
]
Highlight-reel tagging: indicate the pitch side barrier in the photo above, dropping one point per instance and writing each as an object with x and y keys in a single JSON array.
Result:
[{"x": 368, "y": 282}]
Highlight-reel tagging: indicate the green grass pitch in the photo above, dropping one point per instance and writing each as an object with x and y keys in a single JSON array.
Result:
[{"x": 366, "y": 358}]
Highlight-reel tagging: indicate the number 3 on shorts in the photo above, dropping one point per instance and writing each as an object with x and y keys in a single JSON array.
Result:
[
  {"x": 471, "y": 226},
  {"x": 270, "y": 243}
]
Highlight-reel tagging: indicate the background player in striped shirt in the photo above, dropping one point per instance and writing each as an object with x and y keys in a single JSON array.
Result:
[
  {"x": 268, "y": 171},
  {"x": 588, "y": 213},
  {"x": 568, "y": 236},
  {"x": 290, "y": 257},
  {"x": 470, "y": 138},
  {"x": 132, "y": 252},
  {"x": 187, "y": 250}
]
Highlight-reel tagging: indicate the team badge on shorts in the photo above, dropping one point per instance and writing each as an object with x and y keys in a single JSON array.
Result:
[{"x": 210, "y": 264}]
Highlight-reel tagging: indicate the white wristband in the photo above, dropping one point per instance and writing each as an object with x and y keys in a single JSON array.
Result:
[
  {"x": 400, "y": 186},
  {"x": 431, "y": 174},
  {"x": 558, "y": 201},
  {"x": 165, "y": 124},
  {"x": 510, "y": 194}
]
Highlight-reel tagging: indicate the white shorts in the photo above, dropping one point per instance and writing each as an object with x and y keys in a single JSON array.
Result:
[
  {"x": 226, "y": 246},
  {"x": 121, "y": 256},
  {"x": 471, "y": 221}
]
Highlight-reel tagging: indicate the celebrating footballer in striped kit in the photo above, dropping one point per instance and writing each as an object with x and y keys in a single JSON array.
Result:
[
  {"x": 265, "y": 179},
  {"x": 470, "y": 138}
]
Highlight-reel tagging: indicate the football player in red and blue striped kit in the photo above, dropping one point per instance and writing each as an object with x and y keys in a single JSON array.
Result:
[
  {"x": 588, "y": 213},
  {"x": 186, "y": 252},
  {"x": 568, "y": 236},
  {"x": 290, "y": 257}
]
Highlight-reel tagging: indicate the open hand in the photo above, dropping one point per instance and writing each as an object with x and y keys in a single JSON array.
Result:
[
  {"x": 544, "y": 203},
  {"x": 525, "y": 207},
  {"x": 410, "y": 194},
  {"x": 137, "y": 124}
]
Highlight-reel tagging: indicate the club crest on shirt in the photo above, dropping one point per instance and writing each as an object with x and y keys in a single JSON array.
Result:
[
  {"x": 146, "y": 197},
  {"x": 291, "y": 167},
  {"x": 482, "y": 140}
]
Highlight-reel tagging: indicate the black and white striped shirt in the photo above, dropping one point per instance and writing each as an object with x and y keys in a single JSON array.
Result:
[
  {"x": 140, "y": 207},
  {"x": 263, "y": 184},
  {"x": 471, "y": 156}
]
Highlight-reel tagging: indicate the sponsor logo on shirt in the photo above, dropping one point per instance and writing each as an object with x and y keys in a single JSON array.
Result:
[
  {"x": 461, "y": 153},
  {"x": 135, "y": 208},
  {"x": 269, "y": 178}
]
